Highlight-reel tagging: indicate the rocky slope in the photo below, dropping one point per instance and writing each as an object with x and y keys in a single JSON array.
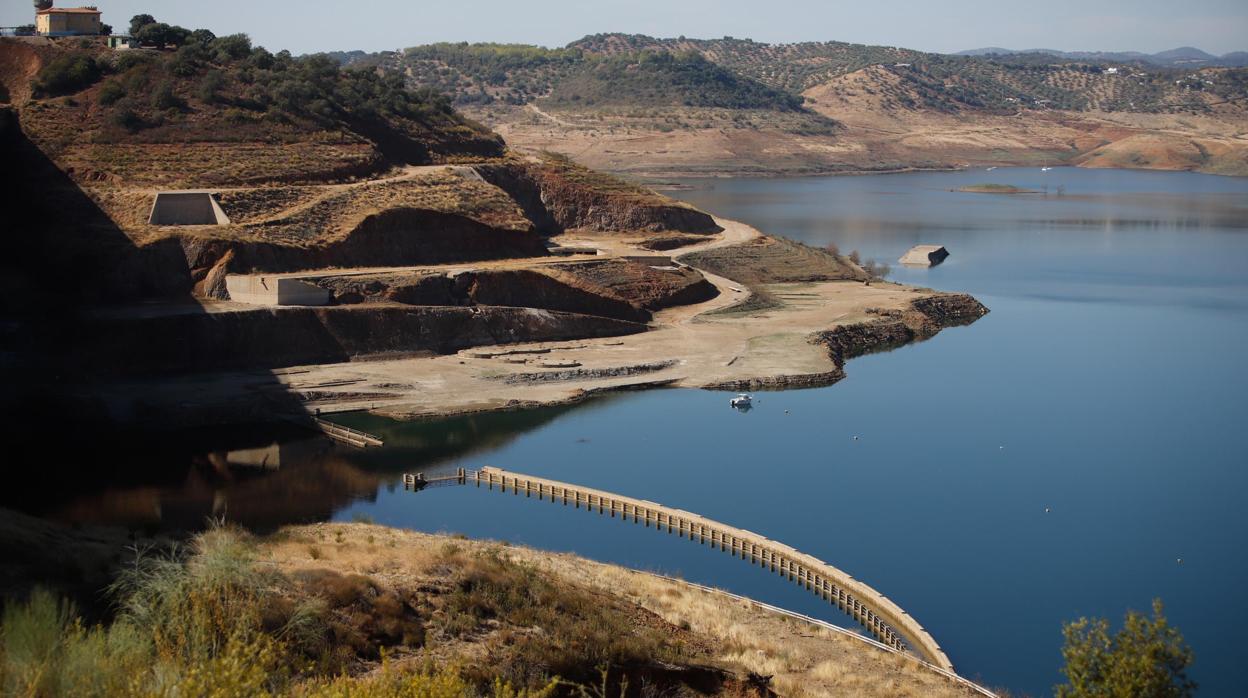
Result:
[
  {"x": 576, "y": 198},
  {"x": 337, "y": 183}
]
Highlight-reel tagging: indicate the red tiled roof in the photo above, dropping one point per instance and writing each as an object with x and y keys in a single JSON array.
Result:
[{"x": 69, "y": 10}]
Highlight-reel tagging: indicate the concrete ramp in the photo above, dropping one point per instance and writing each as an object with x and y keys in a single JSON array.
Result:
[
  {"x": 187, "y": 208},
  {"x": 924, "y": 256}
]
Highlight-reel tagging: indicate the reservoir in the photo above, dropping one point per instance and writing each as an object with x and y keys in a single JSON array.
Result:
[{"x": 1077, "y": 452}]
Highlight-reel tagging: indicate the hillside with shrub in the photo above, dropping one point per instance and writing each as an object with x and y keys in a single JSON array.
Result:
[
  {"x": 659, "y": 107},
  {"x": 233, "y": 113},
  {"x": 519, "y": 74},
  {"x": 992, "y": 82}
]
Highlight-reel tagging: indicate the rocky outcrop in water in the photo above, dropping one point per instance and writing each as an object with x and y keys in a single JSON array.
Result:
[{"x": 893, "y": 328}]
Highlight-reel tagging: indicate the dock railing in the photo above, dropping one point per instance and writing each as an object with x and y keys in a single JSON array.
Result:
[
  {"x": 338, "y": 432},
  {"x": 879, "y": 615},
  {"x": 834, "y": 628}
]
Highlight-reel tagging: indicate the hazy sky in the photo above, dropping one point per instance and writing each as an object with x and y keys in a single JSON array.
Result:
[{"x": 1217, "y": 26}]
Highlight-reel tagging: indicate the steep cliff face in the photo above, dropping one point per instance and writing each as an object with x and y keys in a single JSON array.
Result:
[
  {"x": 518, "y": 181},
  {"x": 276, "y": 337},
  {"x": 561, "y": 193},
  {"x": 524, "y": 288},
  {"x": 650, "y": 288}
]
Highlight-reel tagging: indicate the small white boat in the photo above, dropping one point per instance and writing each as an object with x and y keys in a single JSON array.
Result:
[
  {"x": 1045, "y": 169},
  {"x": 990, "y": 169},
  {"x": 742, "y": 400}
]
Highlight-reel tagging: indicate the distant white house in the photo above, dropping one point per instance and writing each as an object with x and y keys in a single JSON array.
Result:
[{"x": 1111, "y": 71}]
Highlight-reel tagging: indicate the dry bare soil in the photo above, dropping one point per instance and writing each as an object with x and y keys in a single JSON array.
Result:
[{"x": 877, "y": 140}]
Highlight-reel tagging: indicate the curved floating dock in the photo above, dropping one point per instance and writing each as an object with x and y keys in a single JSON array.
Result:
[{"x": 885, "y": 620}]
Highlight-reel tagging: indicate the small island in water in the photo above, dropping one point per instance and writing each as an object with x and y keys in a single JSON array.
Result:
[{"x": 995, "y": 189}]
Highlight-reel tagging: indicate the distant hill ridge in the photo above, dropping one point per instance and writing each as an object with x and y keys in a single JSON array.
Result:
[
  {"x": 634, "y": 70},
  {"x": 1184, "y": 56}
]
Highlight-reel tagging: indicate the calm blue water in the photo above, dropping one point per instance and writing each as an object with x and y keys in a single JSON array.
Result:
[{"x": 1107, "y": 385}]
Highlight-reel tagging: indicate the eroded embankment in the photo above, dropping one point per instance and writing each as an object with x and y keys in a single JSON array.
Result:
[
  {"x": 615, "y": 288},
  {"x": 558, "y": 194},
  {"x": 276, "y": 337}
]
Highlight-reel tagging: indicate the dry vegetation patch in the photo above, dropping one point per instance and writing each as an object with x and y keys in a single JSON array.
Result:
[
  {"x": 490, "y": 601},
  {"x": 772, "y": 260},
  {"x": 335, "y": 213},
  {"x": 642, "y": 284}
]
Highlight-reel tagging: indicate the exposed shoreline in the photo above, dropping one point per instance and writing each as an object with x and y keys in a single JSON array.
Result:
[
  {"x": 881, "y": 141},
  {"x": 802, "y": 340}
]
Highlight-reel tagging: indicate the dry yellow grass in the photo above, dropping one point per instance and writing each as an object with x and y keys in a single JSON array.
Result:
[
  {"x": 303, "y": 215},
  {"x": 804, "y": 659}
]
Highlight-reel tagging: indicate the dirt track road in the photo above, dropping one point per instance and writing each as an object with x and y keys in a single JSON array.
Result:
[{"x": 685, "y": 347}]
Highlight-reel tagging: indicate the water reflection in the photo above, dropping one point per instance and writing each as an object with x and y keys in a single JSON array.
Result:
[{"x": 262, "y": 484}]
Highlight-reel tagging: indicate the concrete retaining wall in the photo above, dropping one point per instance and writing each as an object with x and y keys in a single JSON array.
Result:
[
  {"x": 274, "y": 290},
  {"x": 187, "y": 208},
  {"x": 649, "y": 260}
]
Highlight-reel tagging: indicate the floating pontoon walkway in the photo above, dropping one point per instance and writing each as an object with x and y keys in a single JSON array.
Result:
[{"x": 885, "y": 620}]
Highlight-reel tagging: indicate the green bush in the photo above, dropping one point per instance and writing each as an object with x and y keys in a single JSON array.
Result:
[
  {"x": 129, "y": 59},
  {"x": 111, "y": 92},
  {"x": 232, "y": 48},
  {"x": 124, "y": 116},
  {"x": 163, "y": 97},
  {"x": 186, "y": 60},
  {"x": 209, "y": 87},
  {"x": 1147, "y": 657},
  {"x": 47, "y": 652},
  {"x": 137, "y": 23},
  {"x": 203, "y": 37},
  {"x": 67, "y": 74},
  {"x": 160, "y": 35}
]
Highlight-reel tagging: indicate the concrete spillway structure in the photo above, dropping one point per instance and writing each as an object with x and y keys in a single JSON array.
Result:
[
  {"x": 885, "y": 620},
  {"x": 187, "y": 208}
]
